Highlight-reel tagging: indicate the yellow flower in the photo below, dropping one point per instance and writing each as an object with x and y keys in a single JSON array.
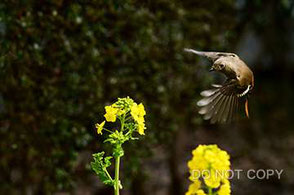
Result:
[
  {"x": 141, "y": 128},
  {"x": 111, "y": 112},
  {"x": 193, "y": 187},
  {"x": 225, "y": 189},
  {"x": 210, "y": 156},
  {"x": 138, "y": 111},
  {"x": 200, "y": 192},
  {"x": 212, "y": 180},
  {"x": 120, "y": 112},
  {"x": 198, "y": 163},
  {"x": 99, "y": 127}
]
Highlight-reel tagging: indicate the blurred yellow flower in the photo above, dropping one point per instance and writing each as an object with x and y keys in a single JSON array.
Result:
[
  {"x": 193, "y": 187},
  {"x": 200, "y": 192},
  {"x": 111, "y": 112},
  {"x": 212, "y": 165},
  {"x": 212, "y": 180},
  {"x": 99, "y": 127},
  {"x": 225, "y": 189}
]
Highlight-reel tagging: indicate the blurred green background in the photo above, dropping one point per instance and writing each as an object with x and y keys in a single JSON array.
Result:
[{"x": 62, "y": 61}]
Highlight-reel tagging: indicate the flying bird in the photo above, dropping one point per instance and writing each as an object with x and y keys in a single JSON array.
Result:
[{"x": 221, "y": 103}]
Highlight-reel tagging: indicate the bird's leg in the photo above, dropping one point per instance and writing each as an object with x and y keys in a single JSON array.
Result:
[
  {"x": 246, "y": 108},
  {"x": 244, "y": 92}
]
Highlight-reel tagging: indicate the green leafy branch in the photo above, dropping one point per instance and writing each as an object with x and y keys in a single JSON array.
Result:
[{"x": 100, "y": 165}]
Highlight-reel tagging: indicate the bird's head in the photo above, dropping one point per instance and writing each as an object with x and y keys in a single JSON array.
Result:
[
  {"x": 225, "y": 65},
  {"x": 218, "y": 67}
]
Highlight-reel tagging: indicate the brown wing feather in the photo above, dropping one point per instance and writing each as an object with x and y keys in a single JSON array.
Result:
[{"x": 219, "y": 104}]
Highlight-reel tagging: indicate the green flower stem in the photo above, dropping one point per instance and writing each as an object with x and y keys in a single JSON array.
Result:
[
  {"x": 107, "y": 130},
  {"x": 128, "y": 133},
  {"x": 129, "y": 118},
  {"x": 209, "y": 191},
  {"x": 117, "y": 182},
  {"x": 123, "y": 122},
  {"x": 108, "y": 175}
]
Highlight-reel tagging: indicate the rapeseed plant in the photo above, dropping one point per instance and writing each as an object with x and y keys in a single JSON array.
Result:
[{"x": 131, "y": 119}]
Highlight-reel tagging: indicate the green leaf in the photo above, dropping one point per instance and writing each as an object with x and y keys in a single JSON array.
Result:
[{"x": 99, "y": 165}]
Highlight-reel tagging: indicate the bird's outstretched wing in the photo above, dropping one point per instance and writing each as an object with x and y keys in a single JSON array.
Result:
[
  {"x": 221, "y": 103},
  {"x": 210, "y": 54}
]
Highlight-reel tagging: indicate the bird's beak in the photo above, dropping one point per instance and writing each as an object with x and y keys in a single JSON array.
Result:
[{"x": 211, "y": 69}]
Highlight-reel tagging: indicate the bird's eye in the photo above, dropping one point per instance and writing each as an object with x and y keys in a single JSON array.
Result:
[{"x": 221, "y": 66}]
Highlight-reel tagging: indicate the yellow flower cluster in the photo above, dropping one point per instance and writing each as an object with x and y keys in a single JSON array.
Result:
[
  {"x": 112, "y": 112},
  {"x": 124, "y": 107},
  {"x": 211, "y": 165},
  {"x": 138, "y": 113}
]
